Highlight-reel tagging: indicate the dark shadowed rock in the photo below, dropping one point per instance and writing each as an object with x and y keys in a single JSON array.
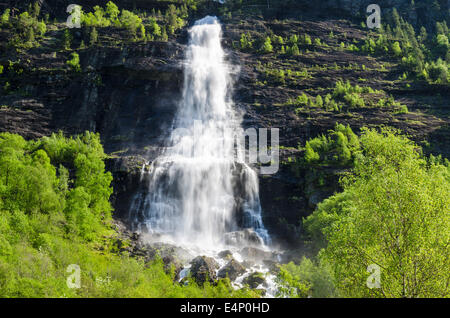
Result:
[
  {"x": 254, "y": 280},
  {"x": 203, "y": 269},
  {"x": 226, "y": 254},
  {"x": 171, "y": 262},
  {"x": 233, "y": 270}
]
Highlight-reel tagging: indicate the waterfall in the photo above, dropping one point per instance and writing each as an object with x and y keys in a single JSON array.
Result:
[{"x": 197, "y": 189}]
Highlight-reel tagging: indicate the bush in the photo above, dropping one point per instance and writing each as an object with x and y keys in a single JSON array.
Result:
[
  {"x": 4, "y": 19},
  {"x": 267, "y": 46},
  {"x": 338, "y": 147},
  {"x": 306, "y": 279},
  {"x": 93, "y": 36},
  {"x": 294, "y": 51},
  {"x": 437, "y": 71},
  {"x": 74, "y": 62}
]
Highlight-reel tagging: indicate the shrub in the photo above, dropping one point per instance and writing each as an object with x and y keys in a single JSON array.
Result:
[
  {"x": 74, "y": 62},
  {"x": 155, "y": 29},
  {"x": 93, "y": 36},
  {"x": 396, "y": 49},
  {"x": 437, "y": 71},
  {"x": 307, "y": 39},
  {"x": 130, "y": 21},
  {"x": 4, "y": 19},
  {"x": 267, "y": 46},
  {"x": 294, "y": 51}
]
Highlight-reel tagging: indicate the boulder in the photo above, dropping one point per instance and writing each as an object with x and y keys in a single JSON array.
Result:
[
  {"x": 257, "y": 255},
  {"x": 254, "y": 280},
  {"x": 226, "y": 254},
  {"x": 170, "y": 261},
  {"x": 274, "y": 267},
  {"x": 233, "y": 270},
  {"x": 203, "y": 269}
]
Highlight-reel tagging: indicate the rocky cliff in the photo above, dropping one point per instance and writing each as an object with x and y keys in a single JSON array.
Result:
[{"x": 128, "y": 93}]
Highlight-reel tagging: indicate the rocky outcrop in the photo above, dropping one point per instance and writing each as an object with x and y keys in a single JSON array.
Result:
[
  {"x": 203, "y": 269},
  {"x": 254, "y": 280},
  {"x": 227, "y": 254},
  {"x": 233, "y": 269}
]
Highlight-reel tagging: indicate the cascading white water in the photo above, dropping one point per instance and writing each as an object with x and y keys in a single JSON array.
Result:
[{"x": 192, "y": 193}]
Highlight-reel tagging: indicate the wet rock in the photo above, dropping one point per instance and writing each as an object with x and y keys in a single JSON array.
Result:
[
  {"x": 203, "y": 269},
  {"x": 254, "y": 280},
  {"x": 169, "y": 250},
  {"x": 257, "y": 255},
  {"x": 248, "y": 263},
  {"x": 273, "y": 266},
  {"x": 244, "y": 237},
  {"x": 233, "y": 270},
  {"x": 172, "y": 263},
  {"x": 226, "y": 254}
]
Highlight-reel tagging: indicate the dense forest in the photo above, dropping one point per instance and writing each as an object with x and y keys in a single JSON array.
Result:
[{"x": 364, "y": 142}]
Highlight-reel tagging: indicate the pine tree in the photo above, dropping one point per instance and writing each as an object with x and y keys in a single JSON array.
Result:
[
  {"x": 164, "y": 36},
  {"x": 93, "y": 36}
]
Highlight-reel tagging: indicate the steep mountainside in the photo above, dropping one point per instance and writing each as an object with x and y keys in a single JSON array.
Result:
[{"x": 127, "y": 89}]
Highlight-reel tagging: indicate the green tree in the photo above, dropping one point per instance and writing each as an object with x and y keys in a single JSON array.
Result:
[
  {"x": 74, "y": 62},
  {"x": 396, "y": 49},
  {"x": 267, "y": 46},
  {"x": 393, "y": 213},
  {"x": 4, "y": 19},
  {"x": 93, "y": 36},
  {"x": 112, "y": 11}
]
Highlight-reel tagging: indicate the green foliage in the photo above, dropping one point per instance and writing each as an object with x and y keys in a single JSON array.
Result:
[
  {"x": 293, "y": 50},
  {"x": 112, "y": 16},
  {"x": 246, "y": 42},
  {"x": 307, "y": 39},
  {"x": 339, "y": 147},
  {"x": 74, "y": 62},
  {"x": 26, "y": 29},
  {"x": 305, "y": 280},
  {"x": 393, "y": 213},
  {"x": 396, "y": 49},
  {"x": 93, "y": 36},
  {"x": 437, "y": 71},
  {"x": 4, "y": 18},
  {"x": 130, "y": 21},
  {"x": 267, "y": 46},
  {"x": 155, "y": 29},
  {"x": 55, "y": 211},
  {"x": 112, "y": 11},
  {"x": 67, "y": 39}
]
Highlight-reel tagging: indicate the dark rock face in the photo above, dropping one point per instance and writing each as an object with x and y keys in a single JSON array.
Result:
[
  {"x": 203, "y": 269},
  {"x": 232, "y": 270},
  {"x": 254, "y": 280}
]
